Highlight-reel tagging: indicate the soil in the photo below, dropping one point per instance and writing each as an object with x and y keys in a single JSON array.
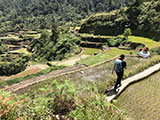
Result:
[
  {"x": 30, "y": 70},
  {"x": 71, "y": 61}
]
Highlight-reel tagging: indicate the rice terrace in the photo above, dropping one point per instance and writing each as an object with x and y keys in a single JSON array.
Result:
[{"x": 79, "y": 60}]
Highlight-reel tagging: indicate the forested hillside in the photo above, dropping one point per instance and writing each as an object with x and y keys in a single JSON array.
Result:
[
  {"x": 20, "y": 14},
  {"x": 143, "y": 17}
]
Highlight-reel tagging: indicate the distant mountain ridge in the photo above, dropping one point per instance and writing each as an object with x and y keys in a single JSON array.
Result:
[
  {"x": 143, "y": 17},
  {"x": 41, "y": 13}
]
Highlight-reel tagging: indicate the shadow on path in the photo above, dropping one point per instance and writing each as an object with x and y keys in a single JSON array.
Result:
[{"x": 111, "y": 92}]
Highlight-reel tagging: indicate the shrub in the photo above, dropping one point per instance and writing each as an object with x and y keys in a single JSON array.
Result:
[
  {"x": 127, "y": 32},
  {"x": 10, "y": 68},
  {"x": 155, "y": 51},
  {"x": 95, "y": 106},
  {"x": 115, "y": 41},
  {"x": 64, "y": 101},
  {"x": 3, "y": 48},
  {"x": 8, "y": 107},
  {"x": 48, "y": 49}
]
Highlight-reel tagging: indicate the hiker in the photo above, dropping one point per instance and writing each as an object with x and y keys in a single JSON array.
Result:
[
  {"x": 145, "y": 53},
  {"x": 119, "y": 66}
]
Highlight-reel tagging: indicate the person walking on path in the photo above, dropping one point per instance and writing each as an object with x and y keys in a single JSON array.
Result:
[{"x": 119, "y": 66}]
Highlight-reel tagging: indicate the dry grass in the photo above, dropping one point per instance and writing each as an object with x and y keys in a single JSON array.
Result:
[
  {"x": 141, "y": 100},
  {"x": 30, "y": 71},
  {"x": 102, "y": 74},
  {"x": 7, "y": 106}
]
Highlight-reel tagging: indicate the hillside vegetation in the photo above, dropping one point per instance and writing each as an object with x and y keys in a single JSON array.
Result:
[
  {"x": 29, "y": 34},
  {"x": 33, "y": 14},
  {"x": 56, "y": 46},
  {"x": 142, "y": 17}
]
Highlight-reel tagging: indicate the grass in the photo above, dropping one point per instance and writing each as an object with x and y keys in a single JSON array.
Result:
[
  {"x": 11, "y": 37},
  {"x": 87, "y": 81},
  {"x": 115, "y": 51},
  {"x": 20, "y": 79},
  {"x": 102, "y": 76},
  {"x": 94, "y": 36},
  {"x": 141, "y": 100},
  {"x": 148, "y": 42},
  {"x": 34, "y": 35},
  {"x": 34, "y": 32},
  {"x": 103, "y": 56},
  {"x": 91, "y": 51},
  {"x": 22, "y": 50}
]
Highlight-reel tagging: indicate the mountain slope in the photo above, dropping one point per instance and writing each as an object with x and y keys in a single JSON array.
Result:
[
  {"x": 41, "y": 13},
  {"x": 141, "y": 16}
]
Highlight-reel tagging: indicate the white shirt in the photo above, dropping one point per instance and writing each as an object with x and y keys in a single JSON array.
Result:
[
  {"x": 118, "y": 66},
  {"x": 144, "y": 54}
]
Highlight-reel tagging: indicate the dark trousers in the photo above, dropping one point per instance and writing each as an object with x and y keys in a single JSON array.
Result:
[{"x": 119, "y": 78}]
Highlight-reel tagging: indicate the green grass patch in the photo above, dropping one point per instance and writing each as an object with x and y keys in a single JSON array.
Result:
[
  {"x": 102, "y": 75},
  {"x": 101, "y": 57},
  {"x": 23, "y": 50},
  {"x": 33, "y": 35},
  {"x": 91, "y": 51},
  {"x": 148, "y": 42},
  {"x": 11, "y": 38},
  {"x": 31, "y": 32},
  {"x": 88, "y": 85},
  {"x": 94, "y": 36}
]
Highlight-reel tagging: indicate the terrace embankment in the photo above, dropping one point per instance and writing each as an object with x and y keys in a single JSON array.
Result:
[
  {"x": 133, "y": 79},
  {"x": 34, "y": 80},
  {"x": 81, "y": 77},
  {"x": 52, "y": 75}
]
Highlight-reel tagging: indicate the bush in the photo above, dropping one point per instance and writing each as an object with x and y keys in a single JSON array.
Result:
[
  {"x": 49, "y": 49},
  {"x": 3, "y": 48},
  {"x": 115, "y": 41},
  {"x": 127, "y": 32},
  {"x": 14, "y": 67},
  {"x": 9, "y": 106},
  {"x": 95, "y": 106},
  {"x": 155, "y": 51}
]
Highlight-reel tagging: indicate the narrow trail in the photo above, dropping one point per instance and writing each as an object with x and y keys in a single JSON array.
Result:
[
  {"x": 40, "y": 78},
  {"x": 24, "y": 85},
  {"x": 70, "y": 61},
  {"x": 125, "y": 83},
  {"x": 32, "y": 69},
  {"x": 27, "y": 83}
]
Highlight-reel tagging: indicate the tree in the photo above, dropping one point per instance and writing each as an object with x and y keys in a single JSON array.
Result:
[
  {"x": 127, "y": 32},
  {"x": 55, "y": 33}
]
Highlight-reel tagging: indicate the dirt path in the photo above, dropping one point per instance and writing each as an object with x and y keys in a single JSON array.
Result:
[
  {"x": 38, "y": 67},
  {"x": 22, "y": 86},
  {"x": 125, "y": 83},
  {"x": 70, "y": 61},
  {"x": 32, "y": 69},
  {"x": 32, "y": 81}
]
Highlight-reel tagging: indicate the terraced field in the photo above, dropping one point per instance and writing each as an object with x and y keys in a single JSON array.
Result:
[
  {"x": 101, "y": 74},
  {"x": 148, "y": 42},
  {"x": 141, "y": 100},
  {"x": 101, "y": 57}
]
